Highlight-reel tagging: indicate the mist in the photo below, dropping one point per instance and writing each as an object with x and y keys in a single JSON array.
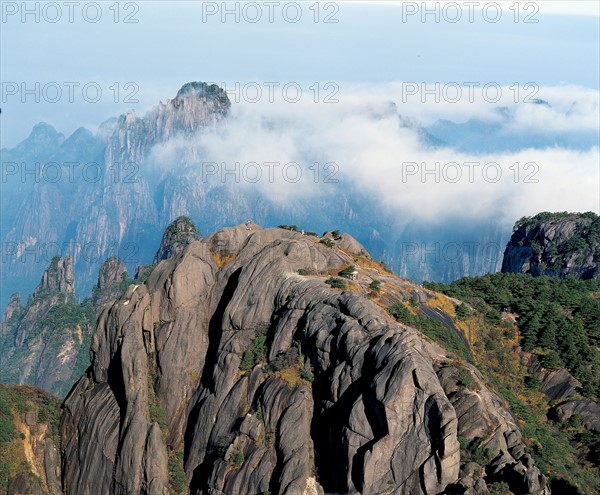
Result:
[{"x": 372, "y": 143}]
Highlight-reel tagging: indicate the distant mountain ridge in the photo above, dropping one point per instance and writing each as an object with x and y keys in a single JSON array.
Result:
[
  {"x": 106, "y": 205},
  {"x": 500, "y": 132}
]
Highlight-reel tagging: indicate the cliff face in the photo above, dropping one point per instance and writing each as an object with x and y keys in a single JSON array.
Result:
[
  {"x": 58, "y": 278},
  {"x": 228, "y": 372},
  {"x": 111, "y": 279},
  {"x": 45, "y": 343},
  {"x": 555, "y": 244},
  {"x": 29, "y": 442},
  {"x": 177, "y": 236},
  {"x": 109, "y": 199}
]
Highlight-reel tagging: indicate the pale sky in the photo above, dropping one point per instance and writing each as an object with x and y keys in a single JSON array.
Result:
[
  {"x": 369, "y": 43},
  {"x": 572, "y": 7}
]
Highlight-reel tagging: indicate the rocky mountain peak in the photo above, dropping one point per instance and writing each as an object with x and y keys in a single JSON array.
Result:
[
  {"x": 177, "y": 236},
  {"x": 58, "y": 277},
  {"x": 239, "y": 367},
  {"x": 44, "y": 134},
  {"x": 555, "y": 244},
  {"x": 196, "y": 106},
  {"x": 111, "y": 272},
  {"x": 112, "y": 279},
  {"x": 13, "y": 306},
  {"x": 40, "y": 342},
  {"x": 42, "y": 141},
  {"x": 200, "y": 90}
]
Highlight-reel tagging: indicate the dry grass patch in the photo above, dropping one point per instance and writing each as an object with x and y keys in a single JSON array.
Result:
[{"x": 221, "y": 259}]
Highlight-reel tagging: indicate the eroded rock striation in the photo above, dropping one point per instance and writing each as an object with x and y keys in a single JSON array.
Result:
[{"x": 228, "y": 372}]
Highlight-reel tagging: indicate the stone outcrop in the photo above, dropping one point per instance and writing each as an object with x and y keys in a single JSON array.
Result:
[
  {"x": 555, "y": 244},
  {"x": 556, "y": 384},
  {"x": 587, "y": 410},
  {"x": 33, "y": 462},
  {"x": 177, "y": 236},
  {"x": 111, "y": 273},
  {"x": 110, "y": 279},
  {"x": 12, "y": 312},
  {"x": 42, "y": 342},
  {"x": 58, "y": 277},
  {"x": 489, "y": 430},
  {"x": 230, "y": 368}
]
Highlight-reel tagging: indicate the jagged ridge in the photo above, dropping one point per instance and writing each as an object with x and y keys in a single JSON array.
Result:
[{"x": 335, "y": 397}]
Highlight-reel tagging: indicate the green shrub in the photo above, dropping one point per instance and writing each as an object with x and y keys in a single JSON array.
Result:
[
  {"x": 532, "y": 382},
  {"x": 552, "y": 361},
  {"x": 462, "y": 311},
  {"x": 247, "y": 360},
  {"x": 286, "y": 360},
  {"x": 177, "y": 479},
  {"x": 307, "y": 374},
  {"x": 336, "y": 283},
  {"x": 303, "y": 271},
  {"x": 255, "y": 354},
  {"x": 375, "y": 285},
  {"x": 347, "y": 272},
  {"x": 327, "y": 242},
  {"x": 401, "y": 313},
  {"x": 238, "y": 460},
  {"x": 158, "y": 414},
  {"x": 8, "y": 431},
  {"x": 499, "y": 488}
]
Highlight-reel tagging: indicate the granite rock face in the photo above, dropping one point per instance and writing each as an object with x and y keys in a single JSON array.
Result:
[
  {"x": 59, "y": 277},
  {"x": 30, "y": 455},
  {"x": 230, "y": 373},
  {"x": 41, "y": 341},
  {"x": 110, "y": 278},
  {"x": 177, "y": 236},
  {"x": 557, "y": 244},
  {"x": 586, "y": 409},
  {"x": 556, "y": 384},
  {"x": 489, "y": 428}
]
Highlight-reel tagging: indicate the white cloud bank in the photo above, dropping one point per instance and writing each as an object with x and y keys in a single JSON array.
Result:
[{"x": 373, "y": 154}]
